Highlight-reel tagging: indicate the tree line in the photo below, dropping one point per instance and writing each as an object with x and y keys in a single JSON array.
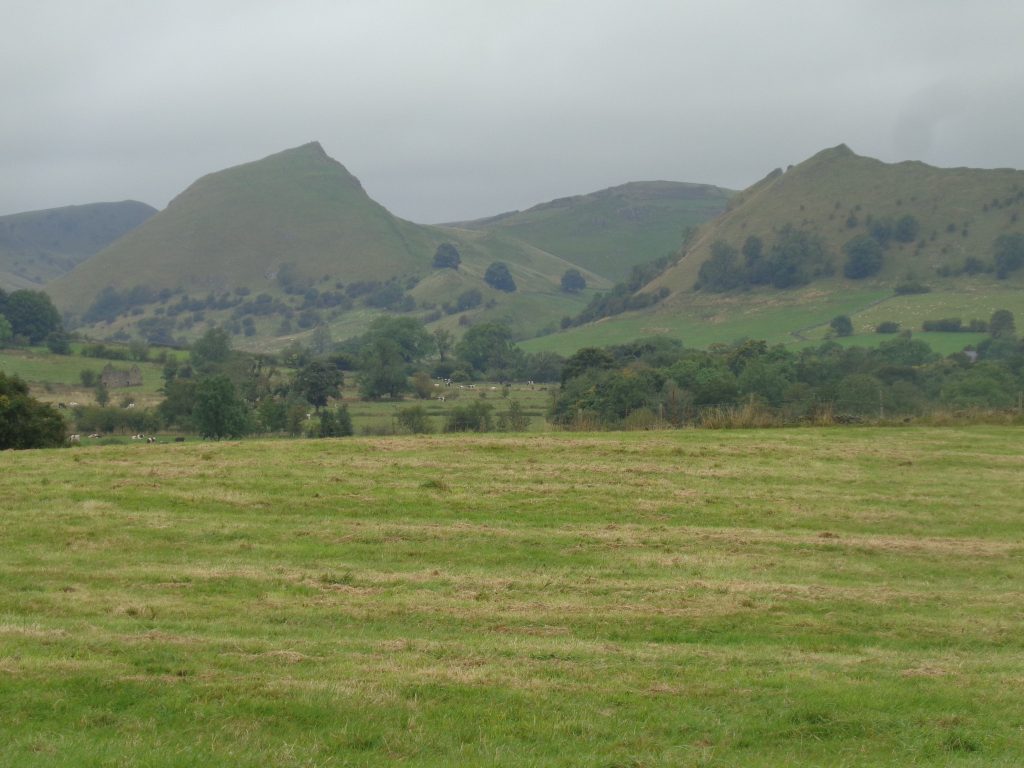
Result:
[
  {"x": 659, "y": 381},
  {"x": 220, "y": 392}
]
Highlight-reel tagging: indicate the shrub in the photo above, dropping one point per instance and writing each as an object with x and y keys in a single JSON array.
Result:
[
  {"x": 337, "y": 423},
  {"x": 1008, "y": 252},
  {"x": 841, "y": 325},
  {"x": 573, "y": 281},
  {"x": 514, "y": 419},
  {"x": 414, "y": 419},
  {"x": 863, "y": 257},
  {"x": 498, "y": 276},
  {"x": 910, "y": 286},
  {"x": 468, "y": 300},
  {"x": 954, "y": 325},
  {"x": 447, "y": 257},
  {"x": 906, "y": 229},
  {"x": 473, "y": 417}
]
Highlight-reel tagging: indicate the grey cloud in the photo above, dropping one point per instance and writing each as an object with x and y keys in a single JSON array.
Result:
[{"x": 451, "y": 109}]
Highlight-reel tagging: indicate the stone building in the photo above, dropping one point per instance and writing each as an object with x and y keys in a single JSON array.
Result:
[{"x": 115, "y": 378}]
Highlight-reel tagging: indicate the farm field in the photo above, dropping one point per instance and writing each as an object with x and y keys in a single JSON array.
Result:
[
  {"x": 842, "y": 596},
  {"x": 795, "y": 317},
  {"x": 56, "y": 378}
]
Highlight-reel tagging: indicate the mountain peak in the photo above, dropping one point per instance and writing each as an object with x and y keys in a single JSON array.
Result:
[
  {"x": 838, "y": 152},
  {"x": 313, "y": 148}
]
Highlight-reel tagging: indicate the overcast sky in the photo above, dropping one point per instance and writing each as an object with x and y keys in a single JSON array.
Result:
[{"x": 454, "y": 109}]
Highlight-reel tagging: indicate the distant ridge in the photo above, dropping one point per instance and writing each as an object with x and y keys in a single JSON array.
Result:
[
  {"x": 837, "y": 195},
  {"x": 614, "y": 229},
  {"x": 37, "y": 246}
]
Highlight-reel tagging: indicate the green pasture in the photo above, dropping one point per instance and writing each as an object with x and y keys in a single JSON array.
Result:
[
  {"x": 380, "y": 417},
  {"x": 974, "y": 301},
  {"x": 796, "y": 317},
  {"x": 689, "y": 598},
  {"x": 701, "y": 320},
  {"x": 57, "y": 377}
]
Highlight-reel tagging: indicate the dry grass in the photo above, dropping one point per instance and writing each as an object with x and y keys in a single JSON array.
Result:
[{"x": 735, "y": 597}]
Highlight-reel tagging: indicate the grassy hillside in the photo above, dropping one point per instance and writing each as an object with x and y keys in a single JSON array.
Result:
[
  {"x": 836, "y": 196},
  {"x": 783, "y": 597},
  {"x": 38, "y": 246},
  {"x": 610, "y": 231},
  {"x": 239, "y": 231},
  {"x": 799, "y": 316},
  {"x": 238, "y": 227}
]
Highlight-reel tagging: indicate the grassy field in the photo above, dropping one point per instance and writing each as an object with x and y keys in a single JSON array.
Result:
[
  {"x": 780, "y": 597},
  {"x": 797, "y": 317},
  {"x": 57, "y": 378},
  {"x": 704, "y": 319},
  {"x": 380, "y": 417}
]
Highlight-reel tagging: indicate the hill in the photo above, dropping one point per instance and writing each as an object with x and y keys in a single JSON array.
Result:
[
  {"x": 239, "y": 227},
  {"x": 837, "y": 196},
  {"x": 611, "y": 231},
  {"x": 297, "y": 232},
  {"x": 37, "y": 246},
  {"x": 941, "y": 264}
]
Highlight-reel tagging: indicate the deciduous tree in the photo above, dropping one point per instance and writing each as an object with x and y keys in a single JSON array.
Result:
[
  {"x": 24, "y": 421},
  {"x": 219, "y": 411},
  {"x": 447, "y": 257},
  {"x": 573, "y": 281},
  {"x": 498, "y": 276}
]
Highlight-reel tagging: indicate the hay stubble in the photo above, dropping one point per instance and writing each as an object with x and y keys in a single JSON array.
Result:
[{"x": 756, "y": 598}]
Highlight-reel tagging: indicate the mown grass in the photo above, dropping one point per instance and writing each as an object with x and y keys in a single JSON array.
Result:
[{"x": 783, "y": 597}]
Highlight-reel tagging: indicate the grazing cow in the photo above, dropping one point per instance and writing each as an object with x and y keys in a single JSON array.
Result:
[
  {"x": 179, "y": 439},
  {"x": 74, "y": 438}
]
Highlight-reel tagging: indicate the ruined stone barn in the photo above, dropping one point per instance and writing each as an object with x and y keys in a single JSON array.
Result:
[{"x": 118, "y": 378}]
